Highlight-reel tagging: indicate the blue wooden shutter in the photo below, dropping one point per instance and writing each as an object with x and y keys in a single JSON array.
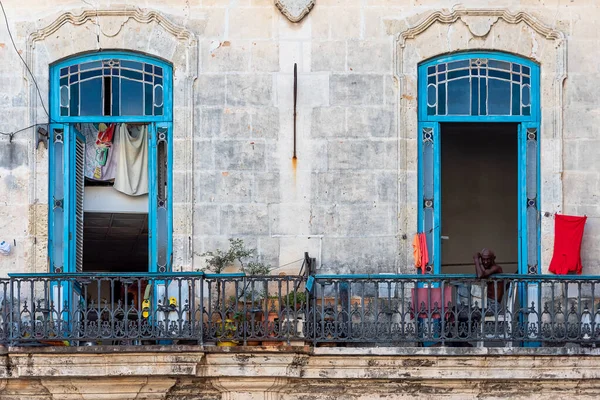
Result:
[
  {"x": 79, "y": 185},
  {"x": 529, "y": 205},
  {"x": 58, "y": 220},
  {"x": 429, "y": 207},
  {"x": 160, "y": 197}
]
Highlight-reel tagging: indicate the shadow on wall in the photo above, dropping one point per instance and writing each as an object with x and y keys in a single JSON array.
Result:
[{"x": 12, "y": 155}]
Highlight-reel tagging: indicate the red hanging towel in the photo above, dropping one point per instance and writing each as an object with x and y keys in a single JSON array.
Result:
[{"x": 568, "y": 233}]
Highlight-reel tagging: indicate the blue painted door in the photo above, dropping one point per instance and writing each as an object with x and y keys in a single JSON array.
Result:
[{"x": 479, "y": 87}]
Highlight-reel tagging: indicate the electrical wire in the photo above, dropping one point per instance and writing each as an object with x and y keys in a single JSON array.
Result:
[
  {"x": 12, "y": 134},
  {"x": 20, "y": 130}
]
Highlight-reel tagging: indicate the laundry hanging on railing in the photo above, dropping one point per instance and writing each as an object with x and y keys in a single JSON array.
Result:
[
  {"x": 101, "y": 146},
  {"x": 568, "y": 234},
  {"x": 420, "y": 253},
  {"x": 132, "y": 160}
]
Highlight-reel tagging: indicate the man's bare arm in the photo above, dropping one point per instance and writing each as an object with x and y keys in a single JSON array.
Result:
[
  {"x": 478, "y": 268},
  {"x": 496, "y": 269}
]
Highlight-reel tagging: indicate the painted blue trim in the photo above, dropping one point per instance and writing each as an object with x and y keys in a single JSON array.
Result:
[
  {"x": 69, "y": 154},
  {"x": 167, "y": 87},
  {"x": 478, "y": 118},
  {"x": 437, "y": 203},
  {"x": 170, "y": 154},
  {"x": 533, "y": 278},
  {"x": 521, "y": 190},
  {"x": 154, "y": 275},
  {"x": 437, "y": 243},
  {"x": 535, "y": 88},
  {"x": 152, "y": 203},
  {"x": 434, "y": 121},
  {"x": 68, "y": 191},
  {"x": 153, "y": 196},
  {"x": 51, "y": 192}
]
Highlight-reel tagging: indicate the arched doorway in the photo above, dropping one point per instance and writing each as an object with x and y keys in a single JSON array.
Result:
[
  {"x": 479, "y": 117},
  {"x": 118, "y": 90}
]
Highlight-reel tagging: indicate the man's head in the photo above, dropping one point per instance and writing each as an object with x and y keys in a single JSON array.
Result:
[{"x": 488, "y": 258}]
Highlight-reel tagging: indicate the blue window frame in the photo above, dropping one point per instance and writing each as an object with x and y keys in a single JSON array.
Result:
[
  {"x": 480, "y": 87},
  {"x": 115, "y": 87}
]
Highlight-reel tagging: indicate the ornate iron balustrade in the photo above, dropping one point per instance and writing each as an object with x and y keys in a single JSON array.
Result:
[
  {"x": 90, "y": 309},
  {"x": 229, "y": 309},
  {"x": 457, "y": 310}
]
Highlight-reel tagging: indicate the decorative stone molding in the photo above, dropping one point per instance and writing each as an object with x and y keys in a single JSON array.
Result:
[
  {"x": 295, "y": 10},
  {"x": 137, "y": 14},
  {"x": 473, "y": 29},
  {"x": 267, "y": 388},
  {"x": 128, "y": 29}
]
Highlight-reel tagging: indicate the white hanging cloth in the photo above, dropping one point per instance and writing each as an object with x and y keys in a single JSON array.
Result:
[{"x": 132, "y": 163}]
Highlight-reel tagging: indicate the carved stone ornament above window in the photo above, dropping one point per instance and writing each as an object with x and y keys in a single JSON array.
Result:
[{"x": 295, "y": 10}]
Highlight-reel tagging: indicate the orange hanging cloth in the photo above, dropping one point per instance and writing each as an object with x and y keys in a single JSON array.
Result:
[{"x": 417, "y": 250}]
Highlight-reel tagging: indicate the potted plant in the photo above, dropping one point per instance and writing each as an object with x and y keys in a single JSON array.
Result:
[
  {"x": 295, "y": 301},
  {"x": 247, "y": 298},
  {"x": 249, "y": 327},
  {"x": 225, "y": 333}
]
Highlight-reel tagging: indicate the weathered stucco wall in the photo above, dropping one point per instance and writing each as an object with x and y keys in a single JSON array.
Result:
[
  {"x": 194, "y": 373},
  {"x": 350, "y": 199}
]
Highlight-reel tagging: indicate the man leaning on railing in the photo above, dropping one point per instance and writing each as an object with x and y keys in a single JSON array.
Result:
[{"x": 485, "y": 266}]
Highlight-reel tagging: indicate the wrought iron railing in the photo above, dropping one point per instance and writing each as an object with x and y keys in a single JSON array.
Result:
[
  {"x": 457, "y": 310},
  {"x": 234, "y": 309},
  {"x": 151, "y": 308}
]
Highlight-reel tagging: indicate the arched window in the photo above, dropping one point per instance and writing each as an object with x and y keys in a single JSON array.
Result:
[
  {"x": 479, "y": 86},
  {"x": 110, "y": 94},
  {"x": 469, "y": 92}
]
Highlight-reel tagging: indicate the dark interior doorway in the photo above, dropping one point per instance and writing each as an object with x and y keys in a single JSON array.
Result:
[
  {"x": 479, "y": 178},
  {"x": 115, "y": 242}
]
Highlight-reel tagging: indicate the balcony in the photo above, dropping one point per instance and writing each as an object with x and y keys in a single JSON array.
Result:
[{"x": 229, "y": 310}]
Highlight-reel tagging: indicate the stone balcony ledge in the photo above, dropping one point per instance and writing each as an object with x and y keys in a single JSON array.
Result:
[{"x": 290, "y": 372}]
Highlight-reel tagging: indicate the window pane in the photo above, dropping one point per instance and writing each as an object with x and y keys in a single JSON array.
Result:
[
  {"x": 431, "y": 91},
  {"x": 148, "y": 99},
  {"x": 158, "y": 96},
  {"x": 516, "y": 99},
  {"x": 131, "y": 75},
  {"x": 498, "y": 97},
  {"x": 459, "y": 97},
  {"x": 91, "y": 97},
  {"x": 131, "y": 97},
  {"x": 74, "y": 101},
  {"x": 90, "y": 65},
  {"x": 64, "y": 96},
  {"x": 131, "y": 64},
  {"x": 85, "y": 90},
  {"x": 526, "y": 95},
  {"x": 116, "y": 95}
]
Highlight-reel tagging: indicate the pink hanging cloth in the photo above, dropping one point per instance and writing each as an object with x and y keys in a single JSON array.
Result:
[{"x": 568, "y": 234}]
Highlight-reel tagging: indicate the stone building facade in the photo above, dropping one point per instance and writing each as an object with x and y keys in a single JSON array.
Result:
[{"x": 350, "y": 197}]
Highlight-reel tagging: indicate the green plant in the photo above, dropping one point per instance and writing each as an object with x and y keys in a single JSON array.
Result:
[
  {"x": 218, "y": 260},
  {"x": 257, "y": 268},
  {"x": 295, "y": 297},
  {"x": 226, "y": 329}
]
